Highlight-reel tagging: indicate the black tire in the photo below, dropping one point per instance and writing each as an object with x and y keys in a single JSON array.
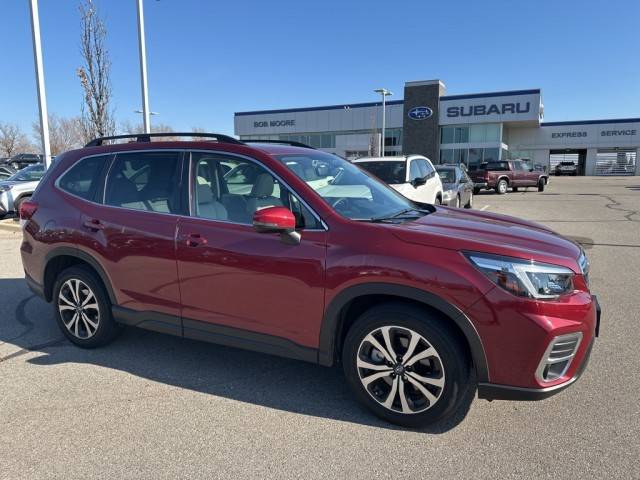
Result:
[
  {"x": 502, "y": 187},
  {"x": 470, "y": 202},
  {"x": 541, "y": 184},
  {"x": 107, "y": 329},
  {"x": 438, "y": 201},
  {"x": 452, "y": 364},
  {"x": 476, "y": 190},
  {"x": 18, "y": 202},
  {"x": 514, "y": 189}
]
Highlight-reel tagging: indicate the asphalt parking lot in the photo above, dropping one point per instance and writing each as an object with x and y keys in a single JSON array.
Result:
[{"x": 155, "y": 406}]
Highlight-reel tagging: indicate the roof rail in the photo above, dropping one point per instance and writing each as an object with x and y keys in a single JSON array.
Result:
[
  {"x": 146, "y": 137},
  {"x": 282, "y": 142}
]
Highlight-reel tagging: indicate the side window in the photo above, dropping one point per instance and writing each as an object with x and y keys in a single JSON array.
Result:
[
  {"x": 414, "y": 171},
  {"x": 517, "y": 166},
  {"x": 232, "y": 189},
  {"x": 426, "y": 168},
  {"x": 145, "y": 181},
  {"x": 80, "y": 179}
]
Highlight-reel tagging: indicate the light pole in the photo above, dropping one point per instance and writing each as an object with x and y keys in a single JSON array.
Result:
[
  {"x": 42, "y": 99},
  {"x": 143, "y": 70},
  {"x": 385, "y": 93}
]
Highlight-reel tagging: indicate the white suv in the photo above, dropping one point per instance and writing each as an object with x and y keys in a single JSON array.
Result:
[{"x": 411, "y": 175}]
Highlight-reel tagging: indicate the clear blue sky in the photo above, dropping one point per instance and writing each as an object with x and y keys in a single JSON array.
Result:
[{"x": 208, "y": 59}]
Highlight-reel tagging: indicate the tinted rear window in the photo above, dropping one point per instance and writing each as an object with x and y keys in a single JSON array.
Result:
[
  {"x": 387, "y": 171},
  {"x": 447, "y": 175},
  {"x": 497, "y": 166},
  {"x": 81, "y": 178}
]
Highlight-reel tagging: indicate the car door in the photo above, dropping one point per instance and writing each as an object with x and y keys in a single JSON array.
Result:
[
  {"x": 236, "y": 282},
  {"x": 130, "y": 230},
  {"x": 465, "y": 186}
]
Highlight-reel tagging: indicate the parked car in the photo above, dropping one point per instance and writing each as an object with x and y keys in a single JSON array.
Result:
[
  {"x": 6, "y": 171},
  {"x": 566, "y": 168},
  {"x": 22, "y": 160},
  {"x": 412, "y": 175},
  {"x": 457, "y": 186},
  {"x": 18, "y": 188},
  {"x": 505, "y": 174},
  {"x": 419, "y": 304}
]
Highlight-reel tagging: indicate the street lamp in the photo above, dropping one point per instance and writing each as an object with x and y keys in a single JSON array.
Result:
[
  {"x": 42, "y": 99},
  {"x": 385, "y": 93},
  {"x": 143, "y": 69}
]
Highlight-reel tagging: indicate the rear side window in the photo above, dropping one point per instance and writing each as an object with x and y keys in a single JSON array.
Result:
[
  {"x": 497, "y": 166},
  {"x": 425, "y": 168},
  {"x": 389, "y": 171},
  {"x": 145, "y": 181},
  {"x": 80, "y": 180}
]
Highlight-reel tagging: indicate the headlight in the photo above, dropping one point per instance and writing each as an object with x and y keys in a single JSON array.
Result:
[{"x": 525, "y": 279}]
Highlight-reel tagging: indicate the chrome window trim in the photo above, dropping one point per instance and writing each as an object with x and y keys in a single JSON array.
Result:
[{"x": 256, "y": 162}]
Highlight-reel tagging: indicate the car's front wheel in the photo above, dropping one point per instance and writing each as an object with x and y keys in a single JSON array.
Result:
[
  {"x": 405, "y": 365},
  {"x": 541, "y": 184},
  {"x": 83, "y": 309}
]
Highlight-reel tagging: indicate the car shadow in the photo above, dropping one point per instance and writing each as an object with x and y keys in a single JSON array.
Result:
[{"x": 27, "y": 322}]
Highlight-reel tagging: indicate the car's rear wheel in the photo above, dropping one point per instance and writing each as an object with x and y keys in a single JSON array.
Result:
[
  {"x": 405, "y": 366},
  {"x": 438, "y": 201},
  {"x": 541, "y": 184},
  {"x": 502, "y": 186},
  {"x": 83, "y": 309},
  {"x": 476, "y": 190}
]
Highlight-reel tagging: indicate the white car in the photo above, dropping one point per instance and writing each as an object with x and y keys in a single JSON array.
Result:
[
  {"x": 411, "y": 175},
  {"x": 19, "y": 187}
]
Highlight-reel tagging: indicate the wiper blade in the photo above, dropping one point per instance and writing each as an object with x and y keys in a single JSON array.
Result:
[{"x": 401, "y": 213}]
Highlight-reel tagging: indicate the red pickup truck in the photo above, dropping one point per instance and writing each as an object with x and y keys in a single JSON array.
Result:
[{"x": 505, "y": 174}]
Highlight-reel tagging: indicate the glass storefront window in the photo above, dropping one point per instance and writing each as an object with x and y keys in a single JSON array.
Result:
[
  {"x": 475, "y": 158},
  {"x": 477, "y": 133},
  {"x": 461, "y": 135},
  {"x": 492, "y": 132},
  {"x": 446, "y": 155},
  {"x": 460, "y": 156},
  {"x": 491, "y": 154},
  {"x": 447, "y": 134}
]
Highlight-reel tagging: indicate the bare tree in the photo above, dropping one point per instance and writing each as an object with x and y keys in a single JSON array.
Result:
[
  {"x": 97, "y": 116},
  {"x": 64, "y": 133},
  {"x": 127, "y": 127},
  {"x": 13, "y": 140}
]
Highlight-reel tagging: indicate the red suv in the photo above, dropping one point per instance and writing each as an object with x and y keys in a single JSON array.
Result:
[{"x": 288, "y": 250}]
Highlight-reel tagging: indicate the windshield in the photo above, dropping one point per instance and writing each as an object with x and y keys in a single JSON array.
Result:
[
  {"x": 346, "y": 188},
  {"x": 28, "y": 174},
  {"x": 391, "y": 172},
  {"x": 447, "y": 175}
]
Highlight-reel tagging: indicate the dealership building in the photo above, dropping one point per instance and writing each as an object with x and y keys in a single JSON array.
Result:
[{"x": 470, "y": 129}]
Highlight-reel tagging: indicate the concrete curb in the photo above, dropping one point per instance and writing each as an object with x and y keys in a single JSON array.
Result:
[{"x": 9, "y": 225}]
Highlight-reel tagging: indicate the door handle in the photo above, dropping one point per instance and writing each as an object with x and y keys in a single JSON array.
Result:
[
  {"x": 195, "y": 240},
  {"x": 93, "y": 224}
]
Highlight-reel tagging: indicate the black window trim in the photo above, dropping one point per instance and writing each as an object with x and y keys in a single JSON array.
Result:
[
  {"x": 189, "y": 159},
  {"x": 93, "y": 198}
]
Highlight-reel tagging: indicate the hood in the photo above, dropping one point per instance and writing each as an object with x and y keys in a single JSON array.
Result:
[
  {"x": 8, "y": 183},
  {"x": 449, "y": 186},
  {"x": 476, "y": 231}
]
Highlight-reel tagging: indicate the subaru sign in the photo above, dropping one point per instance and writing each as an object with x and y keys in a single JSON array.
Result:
[{"x": 420, "y": 113}]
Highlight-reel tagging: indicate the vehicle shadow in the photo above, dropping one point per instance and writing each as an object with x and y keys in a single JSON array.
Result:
[{"x": 27, "y": 322}]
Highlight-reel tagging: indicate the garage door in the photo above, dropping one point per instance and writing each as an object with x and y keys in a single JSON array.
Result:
[
  {"x": 556, "y": 158},
  {"x": 616, "y": 161}
]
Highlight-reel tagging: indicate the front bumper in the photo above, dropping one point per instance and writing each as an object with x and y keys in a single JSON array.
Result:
[{"x": 491, "y": 391}]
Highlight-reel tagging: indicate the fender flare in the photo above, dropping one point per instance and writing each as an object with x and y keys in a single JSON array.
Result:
[
  {"x": 85, "y": 257},
  {"x": 332, "y": 320}
]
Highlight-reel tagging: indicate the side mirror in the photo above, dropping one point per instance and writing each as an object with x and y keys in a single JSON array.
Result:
[
  {"x": 277, "y": 220},
  {"x": 416, "y": 182}
]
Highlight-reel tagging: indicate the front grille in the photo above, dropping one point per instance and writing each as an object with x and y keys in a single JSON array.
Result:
[{"x": 558, "y": 357}]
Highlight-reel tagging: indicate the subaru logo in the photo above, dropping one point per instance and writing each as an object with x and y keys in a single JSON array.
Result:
[{"x": 420, "y": 113}]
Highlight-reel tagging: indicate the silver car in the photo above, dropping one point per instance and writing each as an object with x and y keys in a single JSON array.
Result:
[
  {"x": 456, "y": 185},
  {"x": 19, "y": 187}
]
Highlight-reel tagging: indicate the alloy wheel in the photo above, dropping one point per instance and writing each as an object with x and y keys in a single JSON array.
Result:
[
  {"x": 78, "y": 307},
  {"x": 400, "y": 369}
]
